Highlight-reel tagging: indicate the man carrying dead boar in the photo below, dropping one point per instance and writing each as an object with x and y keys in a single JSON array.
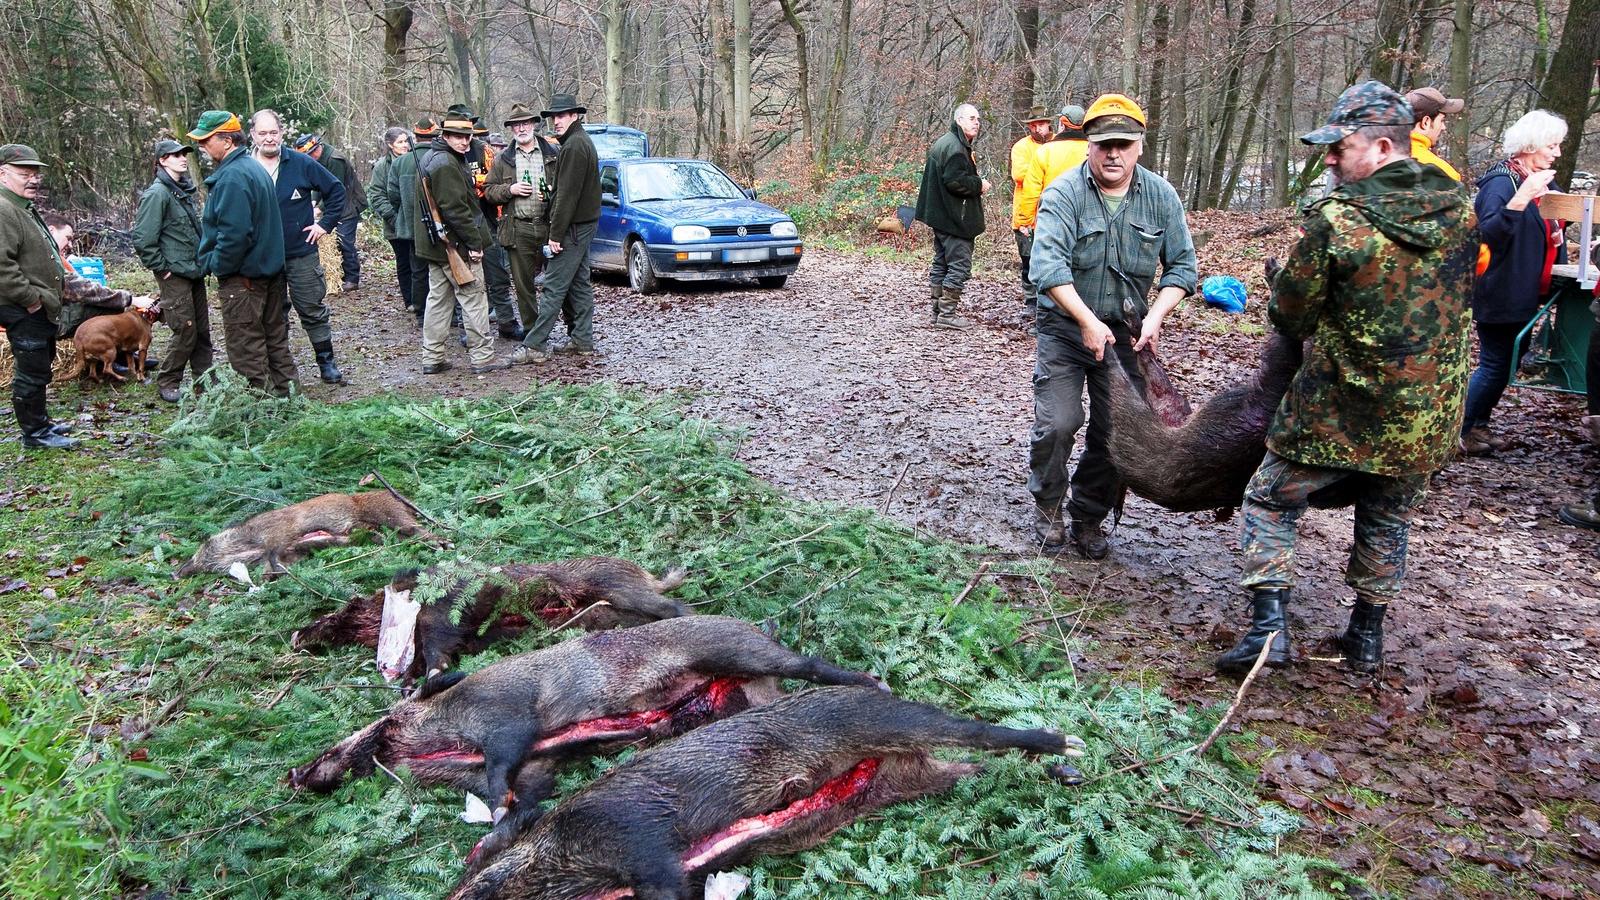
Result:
[
  {"x": 1102, "y": 232},
  {"x": 1377, "y": 281}
]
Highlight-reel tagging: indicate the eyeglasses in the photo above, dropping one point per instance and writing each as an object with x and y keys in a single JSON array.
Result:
[{"x": 28, "y": 173}]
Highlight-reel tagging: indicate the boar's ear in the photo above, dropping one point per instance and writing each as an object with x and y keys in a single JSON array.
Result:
[{"x": 438, "y": 684}]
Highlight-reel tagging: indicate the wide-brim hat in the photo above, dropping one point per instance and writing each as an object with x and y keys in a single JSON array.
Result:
[
  {"x": 167, "y": 147},
  {"x": 214, "y": 121},
  {"x": 456, "y": 124},
  {"x": 478, "y": 128},
  {"x": 1036, "y": 114},
  {"x": 425, "y": 127},
  {"x": 308, "y": 143},
  {"x": 520, "y": 113},
  {"x": 21, "y": 155},
  {"x": 563, "y": 103}
]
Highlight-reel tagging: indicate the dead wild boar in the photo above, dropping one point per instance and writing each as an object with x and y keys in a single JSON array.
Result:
[
  {"x": 776, "y": 779},
  {"x": 596, "y": 593},
  {"x": 280, "y": 537},
  {"x": 501, "y": 732},
  {"x": 1189, "y": 462}
]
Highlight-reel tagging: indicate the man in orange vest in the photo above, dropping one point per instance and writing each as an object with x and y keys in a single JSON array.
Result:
[
  {"x": 1431, "y": 109},
  {"x": 1022, "y": 211}
]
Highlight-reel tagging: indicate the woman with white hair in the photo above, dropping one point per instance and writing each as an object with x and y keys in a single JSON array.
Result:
[{"x": 1522, "y": 247}]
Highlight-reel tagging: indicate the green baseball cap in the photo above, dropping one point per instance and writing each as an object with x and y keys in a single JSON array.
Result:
[
  {"x": 1367, "y": 103},
  {"x": 21, "y": 155},
  {"x": 213, "y": 121}
]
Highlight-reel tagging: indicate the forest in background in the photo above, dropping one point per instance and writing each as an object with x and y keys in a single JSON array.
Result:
[{"x": 789, "y": 89}]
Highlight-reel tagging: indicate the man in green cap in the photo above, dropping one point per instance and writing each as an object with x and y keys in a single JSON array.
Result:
[
  {"x": 166, "y": 235},
  {"x": 241, "y": 243},
  {"x": 574, "y": 212},
  {"x": 1377, "y": 283},
  {"x": 31, "y": 272},
  {"x": 519, "y": 183},
  {"x": 449, "y": 216}
]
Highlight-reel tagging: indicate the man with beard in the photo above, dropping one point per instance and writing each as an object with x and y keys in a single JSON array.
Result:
[
  {"x": 166, "y": 235},
  {"x": 298, "y": 180},
  {"x": 1378, "y": 282},
  {"x": 1103, "y": 231},
  {"x": 574, "y": 212},
  {"x": 449, "y": 216},
  {"x": 241, "y": 243}
]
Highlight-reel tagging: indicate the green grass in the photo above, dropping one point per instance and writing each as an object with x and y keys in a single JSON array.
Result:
[{"x": 554, "y": 473}]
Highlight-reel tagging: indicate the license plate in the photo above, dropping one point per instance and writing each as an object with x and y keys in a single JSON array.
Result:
[{"x": 754, "y": 255}]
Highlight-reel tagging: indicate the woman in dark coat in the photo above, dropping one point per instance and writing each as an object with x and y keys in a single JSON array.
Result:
[{"x": 1522, "y": 247}]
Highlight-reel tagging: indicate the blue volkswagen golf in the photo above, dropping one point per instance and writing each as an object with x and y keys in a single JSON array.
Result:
[{"x": 685, "y": 219}]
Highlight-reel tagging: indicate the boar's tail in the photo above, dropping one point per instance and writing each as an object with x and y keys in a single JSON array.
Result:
[
  {"x": 438, "y": 684},
  {"x": 672, "y": 578}
]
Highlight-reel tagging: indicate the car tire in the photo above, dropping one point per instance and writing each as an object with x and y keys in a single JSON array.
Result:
[
  {"x": 641, "y": 274},
  {"x": 772, "y": 281}
]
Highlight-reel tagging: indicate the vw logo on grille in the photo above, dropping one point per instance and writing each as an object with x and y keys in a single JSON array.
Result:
[{"x": 743, "y": 231}]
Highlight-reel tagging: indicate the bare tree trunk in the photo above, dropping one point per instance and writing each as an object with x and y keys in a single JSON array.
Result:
[
  {"x": 1568, "y": 90},
  {"x": 397, "y": 18},
  {"x": 835, "y": 100},
  {"x": 616, "y": 22},
  {"x": 1129, "y": 74},
  {"x": 722, "y": 42},
  {"x": 1541, "y": 45},
  {"x": 1252, "y": 112},
  {"x": 1178, "y": 153},
  {"x": 1025, "y": 71},
  {"x": 1229, "y": 109},
  {"x": 1383, "y": 57},
  {"x": 803, "y": 73},
  {"x": 744, "y": 152},
  {"x": 1158, "y": 73},
  {"x": 1282, "y": 133},
  {"x": 1461, "y": 82}
]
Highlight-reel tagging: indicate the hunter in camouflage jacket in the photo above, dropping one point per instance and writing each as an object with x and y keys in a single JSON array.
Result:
[{"x": 1380, "y": 280}]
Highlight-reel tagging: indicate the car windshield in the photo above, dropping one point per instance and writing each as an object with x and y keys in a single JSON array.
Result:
[
  {"x": 680, "y": 181},
  {"x": 612, "y": 144}
]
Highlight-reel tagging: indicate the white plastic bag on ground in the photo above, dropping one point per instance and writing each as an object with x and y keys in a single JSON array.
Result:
[{"x": 726, "y": 886}]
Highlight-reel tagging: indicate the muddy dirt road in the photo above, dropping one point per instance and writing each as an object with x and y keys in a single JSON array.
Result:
[{"x": 1470, "y": 767}]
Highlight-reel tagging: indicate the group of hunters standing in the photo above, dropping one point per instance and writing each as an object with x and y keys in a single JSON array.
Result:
[{"x": 1379, "y": 285}]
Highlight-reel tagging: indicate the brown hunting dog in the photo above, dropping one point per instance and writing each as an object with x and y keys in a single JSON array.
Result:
[
  {"x": 101, "y": 338},
  {"x": 596, "y": 593},
  {"x": 282, "y": 536}
]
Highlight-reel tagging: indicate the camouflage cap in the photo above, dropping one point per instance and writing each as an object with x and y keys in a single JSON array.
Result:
[
  {"x": 21, "y": 155},
  {"x": 167, "y": 147},
  {"x": 1367, "y": 103},
  {"x": 213, "y": 121}
]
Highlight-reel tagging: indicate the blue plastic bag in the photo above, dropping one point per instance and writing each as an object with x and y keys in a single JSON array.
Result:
[
  {"x": 1224, "y": 292},
  {"x": 92, "y": 268}
]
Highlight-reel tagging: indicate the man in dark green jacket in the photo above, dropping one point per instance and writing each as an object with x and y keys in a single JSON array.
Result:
[
  {"x": 1378, "y": 283},
  {"x": 241, "y": 243},
  {"x": 31, "y": 273},
  {"x": 951, "y": 203},
  {"x": 166, "y": 235},
  {"x": 401, "y": 188},
  {"x": 355, "y": 203},
  {"x": 574, "y": 212},
  {"x": 519, "y": 183},
  {"x": 459, "y": 223}
]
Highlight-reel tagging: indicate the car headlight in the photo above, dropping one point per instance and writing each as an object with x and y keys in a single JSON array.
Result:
[
  {"x": 684, "y": 233},
  {"x": 785, "y": 230}
]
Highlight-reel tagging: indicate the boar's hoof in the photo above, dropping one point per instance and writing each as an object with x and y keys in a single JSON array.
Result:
[
  {"x": 1074, "y": 745},
  {"x": 1066, "y": 774}
]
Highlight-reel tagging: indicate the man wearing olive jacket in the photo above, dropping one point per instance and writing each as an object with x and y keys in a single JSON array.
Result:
[
  {"x": 951, "y": 203},
  {"x": 574, "y": 211},
  {"x": 31, "y": 273}
]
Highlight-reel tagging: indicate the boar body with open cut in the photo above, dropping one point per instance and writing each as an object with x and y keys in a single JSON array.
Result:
[
  {"x": 501, "y": 732},
  {"x": 776, "y": 779}
]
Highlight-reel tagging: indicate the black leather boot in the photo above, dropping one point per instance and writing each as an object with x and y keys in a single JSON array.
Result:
[
  {"x": 1268, "y": 614},
  {"x": 1362, "y": 641},
  {"x": 326, "y": 367},
  {"x": 45, "y": 439}
]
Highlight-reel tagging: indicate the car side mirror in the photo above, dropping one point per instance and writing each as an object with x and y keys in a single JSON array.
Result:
[
  {"x": 750, "y": 192},
  {"x": 609, "y": 199}
]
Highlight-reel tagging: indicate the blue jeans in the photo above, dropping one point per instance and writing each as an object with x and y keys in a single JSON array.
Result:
[{"x": 1498, "y": 353}]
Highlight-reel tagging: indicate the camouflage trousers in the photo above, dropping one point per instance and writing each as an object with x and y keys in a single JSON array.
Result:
[{"x": 1277, "y": 495}]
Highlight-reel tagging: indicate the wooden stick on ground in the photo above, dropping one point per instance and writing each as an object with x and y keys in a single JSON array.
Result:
[
  {"x": 1203, "y": 746},
  {"x": 983, "y": 569},
  {"x": 883, "y": 508},
  {"x": 407, "y": 501}
]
